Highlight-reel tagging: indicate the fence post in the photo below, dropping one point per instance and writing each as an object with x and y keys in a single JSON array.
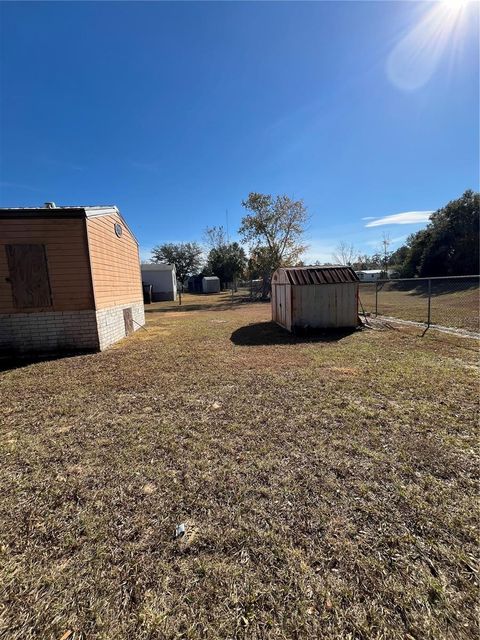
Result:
[
  {"x": 376, "y": 299},
  {"x": 429, "y": 301}
]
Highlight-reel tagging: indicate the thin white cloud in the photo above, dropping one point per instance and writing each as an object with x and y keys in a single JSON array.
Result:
[
  {"x": 407, "y": 217},
  {"x": 369, "y": 218}
]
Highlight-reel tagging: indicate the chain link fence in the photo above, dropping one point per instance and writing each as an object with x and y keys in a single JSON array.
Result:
[
  {"x": 449, "y": 302},
  {"x": 245, "y": 290}
]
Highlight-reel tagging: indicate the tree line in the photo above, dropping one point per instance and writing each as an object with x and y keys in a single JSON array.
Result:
[
  {"x": 448, "y": 246},
  {"x": 273, "y": 228}
]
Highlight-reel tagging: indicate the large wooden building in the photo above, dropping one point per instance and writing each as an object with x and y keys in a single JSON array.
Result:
[{"x": 69, "y": 279}]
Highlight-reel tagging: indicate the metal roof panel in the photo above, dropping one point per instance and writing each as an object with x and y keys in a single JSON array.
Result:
[{"x": 302, "y": 276}]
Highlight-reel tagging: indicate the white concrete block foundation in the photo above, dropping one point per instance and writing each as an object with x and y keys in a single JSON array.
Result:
[
  {"x": 111, "y": 324},
  {"x": 48, "y": 332},
  {"x": 65, "y": 331}
]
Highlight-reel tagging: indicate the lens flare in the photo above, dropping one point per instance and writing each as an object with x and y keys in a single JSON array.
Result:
[{"x": 416, "y": 56}]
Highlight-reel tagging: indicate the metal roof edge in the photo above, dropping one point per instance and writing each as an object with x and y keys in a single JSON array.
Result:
[
  {"x": 96, "y": 212},
  {"x": 329, "y": 274},
  {"x": 87, "y": 212}
]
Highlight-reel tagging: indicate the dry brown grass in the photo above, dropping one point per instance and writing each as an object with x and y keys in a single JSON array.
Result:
[
  {"x": 454, "y": 303},
  {"x": 328, "y": 486}
]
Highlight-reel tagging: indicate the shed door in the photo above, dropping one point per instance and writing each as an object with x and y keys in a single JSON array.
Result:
[
  {"x": 28, "y": 275},
  {"x": 281, "y": 305}
]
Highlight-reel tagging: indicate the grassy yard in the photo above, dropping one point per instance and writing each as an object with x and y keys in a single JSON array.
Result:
[
  {"x": 453, "y": 304},
  {"x": 328, "y": 486}
]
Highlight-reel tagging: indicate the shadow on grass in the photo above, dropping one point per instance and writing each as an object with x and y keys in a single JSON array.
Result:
[
  {"x": 265, "y": 333},
  {"x": 215, "y": 306},
  {"x": 9, "y": 362}
]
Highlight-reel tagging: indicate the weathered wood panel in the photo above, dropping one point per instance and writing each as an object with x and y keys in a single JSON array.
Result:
[
  {"x": 325, "y": 305},
  {"x": 288, "y": 307},
  {"x": 67, "y": 259},
  {"x": 115, "y": 263},
  {"x": 128, "y": 320},
  {"x": 28, "y": 276}
]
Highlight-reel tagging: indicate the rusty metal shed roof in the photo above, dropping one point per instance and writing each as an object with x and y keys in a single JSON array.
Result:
[{"x": 320, "y": 275}]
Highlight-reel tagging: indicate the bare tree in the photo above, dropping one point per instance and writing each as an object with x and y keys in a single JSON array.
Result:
[
  {"x": 386, "y": 253},
  {"x": 215, "y": 237},
  {"x": 345, "y": 254}
]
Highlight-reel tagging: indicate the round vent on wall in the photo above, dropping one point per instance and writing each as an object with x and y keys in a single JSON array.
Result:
[{"x": 118, "y": 229}]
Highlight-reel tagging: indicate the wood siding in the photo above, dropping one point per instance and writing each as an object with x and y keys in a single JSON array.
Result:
[
  {"x": 325, "y": 306},
  {"x": 282, "y": 305},
  {"x": 67, "y": 261},
  {"x": 281, "y": 300},
  {"x": 115, "y": 263}
]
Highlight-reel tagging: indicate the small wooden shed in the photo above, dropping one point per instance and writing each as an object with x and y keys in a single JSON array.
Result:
[
  {"x": 315, "y": 297},
  {"x": 69, "y": 279}
]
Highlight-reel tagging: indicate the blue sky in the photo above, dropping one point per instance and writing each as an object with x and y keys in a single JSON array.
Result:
[{"x": 176, "y": 111}]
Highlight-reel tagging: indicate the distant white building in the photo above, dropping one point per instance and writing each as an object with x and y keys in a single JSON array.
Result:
[
  {"x": 163, "y": 279},
  {"x": 369, "y": 275}
]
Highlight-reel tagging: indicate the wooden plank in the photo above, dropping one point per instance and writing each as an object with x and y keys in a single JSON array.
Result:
[
  {"x": 128, "y": 320},
  {"x": 28, "y": 275},
  {"x": 67, "y": 258}
]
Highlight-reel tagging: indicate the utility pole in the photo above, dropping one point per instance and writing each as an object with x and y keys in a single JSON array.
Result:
[{"x": 386, "y": 241}]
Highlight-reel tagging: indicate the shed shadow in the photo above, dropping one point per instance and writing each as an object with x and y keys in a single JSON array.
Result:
[
  {"x": 11, "y": 361},
  {"x": 220, "y": 306},
  {"x": 269, "y": 333}
]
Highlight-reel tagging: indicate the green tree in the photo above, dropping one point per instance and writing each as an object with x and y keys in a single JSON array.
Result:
[
  {"x": 227, "y": 261},
  {"x": 449, "y": 245},
  {"x": 397, "y": 260},
  {"x": 274, "y": 228},
  {"x": 259, "y": 264},
  {"x": 186, "y": 256},
  {"x": 416, "y": 245}
]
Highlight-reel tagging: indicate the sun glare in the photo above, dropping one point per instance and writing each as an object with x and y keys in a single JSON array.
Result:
[
  {"x": 415, "y": 57},
  {"x": 453, "y": 7}
]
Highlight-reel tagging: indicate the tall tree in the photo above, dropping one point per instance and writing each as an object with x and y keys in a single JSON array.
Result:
[
  {"x": 227, "y": 261},
  {"x": 186, "y": 256},
  {"x": 365, "y": 261},
  {"x": 345, "y": 253},
  {"x": 259, "y": 264},
  {"x": 276, "y": 226},
  {"x": 386, "y": 253},
  {"x": 397, "y": 260},
  {"x": 215, "y": 237},
  {"x": 449, "y": 245}
]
